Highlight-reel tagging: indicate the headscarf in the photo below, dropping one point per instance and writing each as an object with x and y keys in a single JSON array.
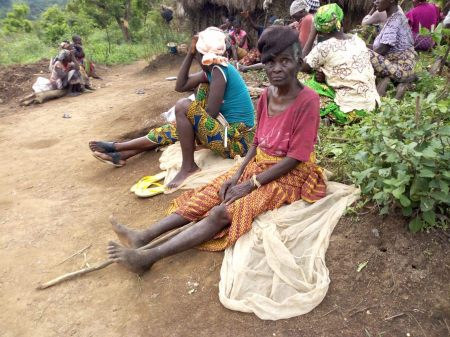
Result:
[
  {"x": 274, "y": 40},
  {"x": 298, "y": 6},
  {"x": 211, "y": 44},
  {"x": 63, "y": 54},
  {"x": 65, "y": 44},
  {"x": 328, "y": 18},
  {"x": 313, "y": 4}
]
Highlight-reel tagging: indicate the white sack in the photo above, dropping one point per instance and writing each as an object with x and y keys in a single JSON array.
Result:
[{"x": 42, "y": 84}]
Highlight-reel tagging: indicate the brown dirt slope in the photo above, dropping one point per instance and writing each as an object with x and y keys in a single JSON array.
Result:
[{"x": 56, "y": 199}]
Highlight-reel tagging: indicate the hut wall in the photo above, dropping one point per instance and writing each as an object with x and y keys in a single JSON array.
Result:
[{"x": 205, "y": 13}]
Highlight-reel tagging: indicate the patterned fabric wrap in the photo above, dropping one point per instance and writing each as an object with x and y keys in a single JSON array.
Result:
[
  {"x": 241, "y": 52},
  {"x": 367, "y": 32},
  {"x": 328, "y": 18},
  {"x": 208, "y": 130},
  {"x": 252, "y": 57},
  {"x": 306, "y": 182},
  {"x": 298, "y": 6},
  {"x": 314, "y": 4},
  {"x": 328, "y": 107},
  {"x": 423, "y": 42},
  {"x": 396, "y": 65}
]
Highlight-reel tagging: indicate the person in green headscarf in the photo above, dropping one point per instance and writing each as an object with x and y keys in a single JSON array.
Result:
[{"x": 338, "y": 69}]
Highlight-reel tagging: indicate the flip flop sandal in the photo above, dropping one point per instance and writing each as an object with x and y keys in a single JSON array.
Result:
[
  {"x": 114, "y": 155},
  {"x": 151, "y": 191},
  {"x": 106, "y": 146},
  {"x": 148, "y": 181}
]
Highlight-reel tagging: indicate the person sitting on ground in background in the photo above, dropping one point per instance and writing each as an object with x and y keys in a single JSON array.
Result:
[
  {"x": 372, "y": 23},
  {"x": 252, "y": 61},
  {"x": 314, "y": 6},
  {"x": 81, "y": 58},
  {"x": 227, "y": 27},
  {"x": 234, "y": 52},
  {"x": 167, "y": 14},
  {"x": 392, "y": 53},
  {"x": 222, "y": 99},
  {"x": 239, "y": 36},
  {"x": 277, "y": 169},
  {"x": 425, "y": 15},
  {"x": 343, "y": 62},
  {"x": 259, "y": 28},
  {"x": 66, "y": 74},
  {"x": 300, "y": 11}
]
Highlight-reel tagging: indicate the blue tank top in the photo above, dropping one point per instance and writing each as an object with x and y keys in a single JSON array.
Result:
[{"x": 237, "y": 106}]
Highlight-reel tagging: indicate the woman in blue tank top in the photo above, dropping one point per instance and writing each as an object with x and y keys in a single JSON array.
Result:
[{"x": 221, "y": 117}]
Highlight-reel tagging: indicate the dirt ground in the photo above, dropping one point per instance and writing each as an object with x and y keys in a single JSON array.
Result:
[{"x": 56, "y": 199}]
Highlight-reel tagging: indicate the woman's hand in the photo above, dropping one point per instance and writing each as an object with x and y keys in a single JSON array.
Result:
[
  {"x": 245, "y": 14},
  {"x": 239, "y": 191},
  {"x": 232, "y": 38},
  {"x": 193, "y": 49},
  {"x": 226, "y": 186},
  {"x": 320, "y": 76}
]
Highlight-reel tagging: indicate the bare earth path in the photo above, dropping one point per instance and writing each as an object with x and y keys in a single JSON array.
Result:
[{"x": 56, "y": 198}]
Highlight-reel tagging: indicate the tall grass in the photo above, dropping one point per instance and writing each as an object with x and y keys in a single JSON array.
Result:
[
  {"x": 101, "y": 46},
  {"x": 25, "y": 48}
]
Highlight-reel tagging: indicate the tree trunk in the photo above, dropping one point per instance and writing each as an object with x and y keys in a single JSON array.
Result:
[{"x": 124, "y": 28}]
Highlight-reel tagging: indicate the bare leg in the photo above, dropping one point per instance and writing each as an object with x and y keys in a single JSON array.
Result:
[
  {"x": 139, "y": 261},
  {"x": 186, "y": 136},
  {"x": 136, "y": 239},
  {"x": 382, "y": 86},
  {"x": 141, "y": 143},
  {"x": 70, "y": 92},
  {"x": 124, "y": 155}
]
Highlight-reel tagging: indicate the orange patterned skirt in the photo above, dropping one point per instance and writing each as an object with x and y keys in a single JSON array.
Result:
[{"x": 306, "y": 182}]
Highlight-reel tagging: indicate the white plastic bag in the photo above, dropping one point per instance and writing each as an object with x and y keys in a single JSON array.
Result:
[
  {"x": 42, "y": 84},
  {"x": 170, "y": 115}
]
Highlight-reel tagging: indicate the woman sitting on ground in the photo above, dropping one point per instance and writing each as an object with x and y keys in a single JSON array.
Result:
[
  {"x": 423, "y": 15},
  {"x": 372, "y": 24},
  {"x": 300, "y": 11},
  {"x": 239, "y": 36},
  {"x": 277, "y": 169},
  {"x": 343, "y": 62},
  {"x": 392, "y": 56},
  {"x": 222, "y": 99},
  {"x": 80, "y": 55},
  {"x": 66, "y": 74}
]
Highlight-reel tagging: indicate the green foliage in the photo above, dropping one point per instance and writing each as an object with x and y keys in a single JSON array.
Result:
[
  {"x": 54, "y": 24},
  {"x": 24, "y": 49},
  {"x": 400, "y": 155},
  {"x": 16, "y": 21}
]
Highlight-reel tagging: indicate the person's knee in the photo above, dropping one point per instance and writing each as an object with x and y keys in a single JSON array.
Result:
[
  {"x": 219, "y": 215},
  {"x": 182, "y": 107}
]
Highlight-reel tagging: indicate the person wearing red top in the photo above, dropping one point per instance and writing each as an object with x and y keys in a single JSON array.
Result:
[
  {"x": 300, "y": 11},
  {"x": 278, "y": 169}
]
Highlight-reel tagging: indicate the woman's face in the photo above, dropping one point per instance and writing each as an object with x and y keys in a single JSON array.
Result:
[
  {"x": 237, "y": 29},
  {"x": 300, "y": 15},
  {"x": 283, "y": 68},
  {"x": 383, "y": 5}
]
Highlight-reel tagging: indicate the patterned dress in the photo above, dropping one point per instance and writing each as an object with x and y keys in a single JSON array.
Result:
[
  {"x": 306, "y": 181},
  {"x": 209, "y": 131},
  {"x": 399, "y": 62},
  {"x": 350, "y": 90}
]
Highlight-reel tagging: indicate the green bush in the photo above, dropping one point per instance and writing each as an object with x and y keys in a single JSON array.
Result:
[{"x": 24, "y": 49}]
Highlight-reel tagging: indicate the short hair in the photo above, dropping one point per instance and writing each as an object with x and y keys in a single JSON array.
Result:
[
  {"x": 76, "y": 37},
  {"x": 236, "y": 22},
  {"x": 275, "y": 39}
]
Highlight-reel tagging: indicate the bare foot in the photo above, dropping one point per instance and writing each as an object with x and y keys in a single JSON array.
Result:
[
  {"x": 73, "y": 94},
  {"x": 137, "y": 261},
  {"x": 104, "y": 156},
  {"x": 99, "y": 146},
  {"x": 129, "y": 238},
  {"x": 182, "y": 176},
  {"x": 382, "y": 86}
]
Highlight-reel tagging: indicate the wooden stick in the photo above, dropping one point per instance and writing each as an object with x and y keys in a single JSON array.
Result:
[
  {"x": 75, "y": 254},
  {"x": 395, "y": 316},
  {"x": 105, "y": 264}
]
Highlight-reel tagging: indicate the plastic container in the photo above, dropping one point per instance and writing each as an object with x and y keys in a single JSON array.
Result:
[
  {"x": 183, "y": 48},
  {"x": 172, "y": 47}
]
